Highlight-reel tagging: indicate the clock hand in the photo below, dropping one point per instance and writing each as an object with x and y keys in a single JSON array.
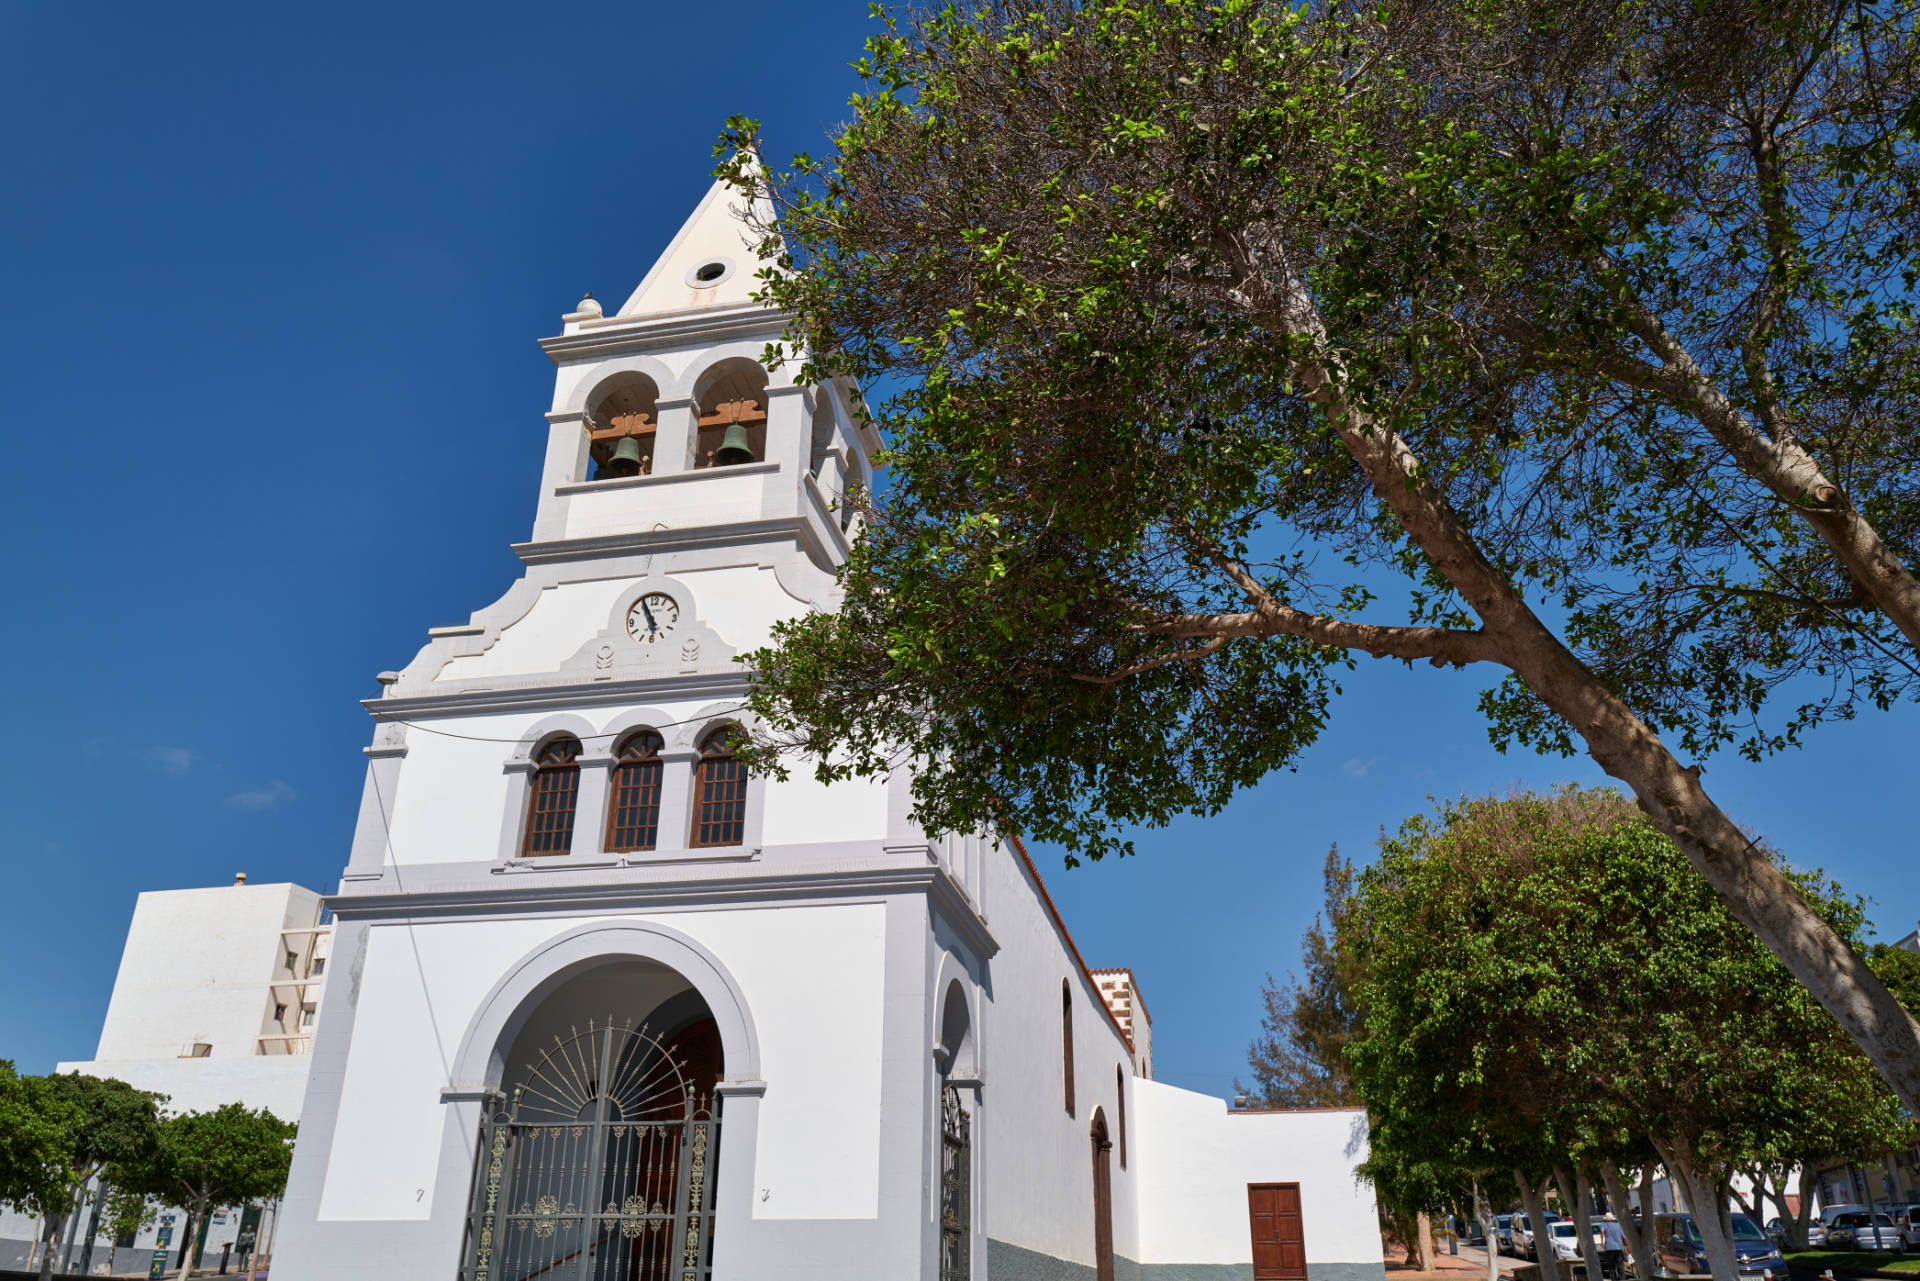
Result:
[{"x": 651, "y": 625}]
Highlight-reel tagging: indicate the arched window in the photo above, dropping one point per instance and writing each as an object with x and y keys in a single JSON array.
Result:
[
  {"x": 1066, "y": 1039},
  {"x": 556, "y": 792},
  {"x": 719, "y": 791},
  {"x": 633, "y": 813},
  {"x": 1120, "y": 1110}
]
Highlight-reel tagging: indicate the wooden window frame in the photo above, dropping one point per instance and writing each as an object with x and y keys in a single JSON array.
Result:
[
  {"x": 1066, "y": 1038},
  {"x": 1120, "y": 1111},
  {"x": 716, "y": 750},
  {"x": 556, "y": 766},
  {"x": 643, "y": 772}
]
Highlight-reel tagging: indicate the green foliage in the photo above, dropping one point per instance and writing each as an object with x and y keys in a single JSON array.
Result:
[
  {"x": 1299, "y": 1059},
  {"x": 199, "y": 1160},
  {"x": 1546, "y": 982},
  {"x": 1899, "y": 969},
  {"x": 1107, "y": 254},
  {"x": 38, "y": 1124}
]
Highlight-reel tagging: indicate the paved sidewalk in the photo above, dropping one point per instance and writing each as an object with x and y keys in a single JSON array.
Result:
[{"x": 1470, "y": 1262}]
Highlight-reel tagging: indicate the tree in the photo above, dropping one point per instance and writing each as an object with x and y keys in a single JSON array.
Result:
[
  {"x": 1299, "y": 1060},
  {"x": 110, "y": 1123},
  {"x": 204, "y": 1160},
  {"x": 1583, "y": 329},
  {"x": 1544, "y": 982},
  {"x": 37, "y": 1129},
  {"x": 1899, "y": 969}
]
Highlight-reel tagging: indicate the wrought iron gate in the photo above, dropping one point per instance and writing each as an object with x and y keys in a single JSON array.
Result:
[
  {"x": 599, "y": 1167},
  {"x": 956, "y": 1179}
]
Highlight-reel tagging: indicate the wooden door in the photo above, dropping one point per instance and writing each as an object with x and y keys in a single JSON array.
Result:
[
  {"x": 1102, "y": 1199},
  {"x": 1279, "y": 1242}
]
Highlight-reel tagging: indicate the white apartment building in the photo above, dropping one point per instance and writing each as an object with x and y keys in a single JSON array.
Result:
[
  {"x": 217, "y": 997},
  {"x": 217, "y": 1001}
]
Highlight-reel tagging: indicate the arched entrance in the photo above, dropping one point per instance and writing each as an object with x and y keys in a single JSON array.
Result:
[
  {"x": 1102, "y": 1198},
  {"x": 596, "y": 1159}
]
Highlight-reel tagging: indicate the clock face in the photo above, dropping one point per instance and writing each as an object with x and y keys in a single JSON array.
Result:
[{"x": 652, "y": 617}]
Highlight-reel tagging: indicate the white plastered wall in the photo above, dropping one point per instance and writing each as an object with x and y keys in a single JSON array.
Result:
[
  {"x": 800, "y": 969},
  {"x": 196, "y": 967},
  {"x": 1038, "y": 1192},
  {"x": 1197, "y": 1158}
]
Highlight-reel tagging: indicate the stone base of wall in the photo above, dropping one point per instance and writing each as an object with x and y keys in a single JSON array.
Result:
[{"x": 1008, "y": 1262}]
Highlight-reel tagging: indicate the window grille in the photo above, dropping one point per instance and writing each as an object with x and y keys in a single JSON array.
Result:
[
  {"x": 556, "y": 791},
  {"x": 720, "y": 792},
  {"x": 633, "y": 816}
]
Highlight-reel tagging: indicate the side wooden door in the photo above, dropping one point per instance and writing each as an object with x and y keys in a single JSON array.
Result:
[{"x": 1279, "y": 1241}]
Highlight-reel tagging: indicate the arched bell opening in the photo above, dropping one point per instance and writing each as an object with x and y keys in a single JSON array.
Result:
[
  {"x": 597, "y": 1157},
  {"x": 730, "y": 403},
  {"x": 622, "y": 423}
]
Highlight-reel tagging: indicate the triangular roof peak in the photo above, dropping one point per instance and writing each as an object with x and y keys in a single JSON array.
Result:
[{"x": 711, "y": 262}]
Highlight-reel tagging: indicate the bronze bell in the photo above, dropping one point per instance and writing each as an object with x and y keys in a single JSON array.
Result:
[
  {"x": 733, "y": 447},
  {"x": 623, "y": 461}
]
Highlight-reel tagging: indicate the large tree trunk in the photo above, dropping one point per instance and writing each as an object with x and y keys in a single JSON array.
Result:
[
  {"x": 1422, "y": 1252},
  {"x": 1533, "y": 1199},
  {"x": 1639, "y": 1234},
  {"x": 1483, "y": 1211},
  {"x": 50, "y": 1237},
  {"x": 1746, "y": 880},
  {"x": 1707, "y": 1203},
  {"x": 1580, "y": 1197},
  {"x": 1797, "y": 1223}
]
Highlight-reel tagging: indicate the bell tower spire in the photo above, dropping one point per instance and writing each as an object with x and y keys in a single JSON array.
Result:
[{"x": 664, "y": 421}]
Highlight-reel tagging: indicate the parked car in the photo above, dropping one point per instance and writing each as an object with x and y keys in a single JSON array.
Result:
[
  {"x": 1678, "y": 1250},
  {"x": 1523, "y": 1232},
  {"x": 1503, "y": 1233},
  {"x": 1906, "y": 1221},
  {"x": 1863, "y": 1230},
  {"x": 1777, "y": 1233},
  {"x": 1566, "y": 1239}
]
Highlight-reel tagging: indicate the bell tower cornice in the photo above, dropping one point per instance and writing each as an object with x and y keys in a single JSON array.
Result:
[{"x": 615, "y": 335}]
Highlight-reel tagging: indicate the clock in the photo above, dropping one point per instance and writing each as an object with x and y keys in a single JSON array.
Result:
[{"x": 652, "y": 617}]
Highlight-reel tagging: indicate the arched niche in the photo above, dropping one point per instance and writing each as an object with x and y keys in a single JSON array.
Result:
[
  {"x": 731, "y": 392},
  {"x": 623, "y": 422},
  {"x": 521, "y": 998}
]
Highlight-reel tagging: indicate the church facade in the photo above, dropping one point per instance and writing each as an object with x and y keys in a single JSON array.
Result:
[{"x": 605, "y": 1007}]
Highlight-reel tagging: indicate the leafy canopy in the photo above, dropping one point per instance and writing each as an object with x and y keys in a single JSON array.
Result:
[{"x": 1208, "y": 322}]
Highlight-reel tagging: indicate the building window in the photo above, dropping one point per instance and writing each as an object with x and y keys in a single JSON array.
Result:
[
  {"x": 556, "y": 791},
  {"x": 719, "y": 791},
  {"x": 318, "y": 967},
  {"x": 633, "y": 817},
  {"x": 307, "y": 1015},
  {"x": 1120, "y": 1110},
  {"x": 293, "y": 962},
  {"x": 199, "y": 1050},
  {"x": 280, "y": 1014},
  {"x": 1066, "y": 1039}
]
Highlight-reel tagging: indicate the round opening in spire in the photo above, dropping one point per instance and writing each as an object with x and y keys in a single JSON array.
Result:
[{"x": 707, "y": 274}]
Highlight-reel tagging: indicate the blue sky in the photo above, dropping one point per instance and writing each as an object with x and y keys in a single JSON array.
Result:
[{"x": 272, "y": 405}]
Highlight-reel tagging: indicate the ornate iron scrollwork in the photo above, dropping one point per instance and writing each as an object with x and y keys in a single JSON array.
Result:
[
  {"x": 956, "y": 1187},
  {"x": 604, "y": 1154}
]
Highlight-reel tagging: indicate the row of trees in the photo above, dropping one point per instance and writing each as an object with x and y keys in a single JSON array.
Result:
[
  {"x": 1535, "y": 993},
  {"x": 60, "y": 1133}
]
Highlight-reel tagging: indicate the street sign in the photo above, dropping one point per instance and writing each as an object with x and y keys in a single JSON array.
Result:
[{"x": 158, "y": 1268}]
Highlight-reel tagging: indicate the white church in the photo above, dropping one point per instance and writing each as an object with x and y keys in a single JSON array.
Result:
[{"x": 603, "y": 1006}]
